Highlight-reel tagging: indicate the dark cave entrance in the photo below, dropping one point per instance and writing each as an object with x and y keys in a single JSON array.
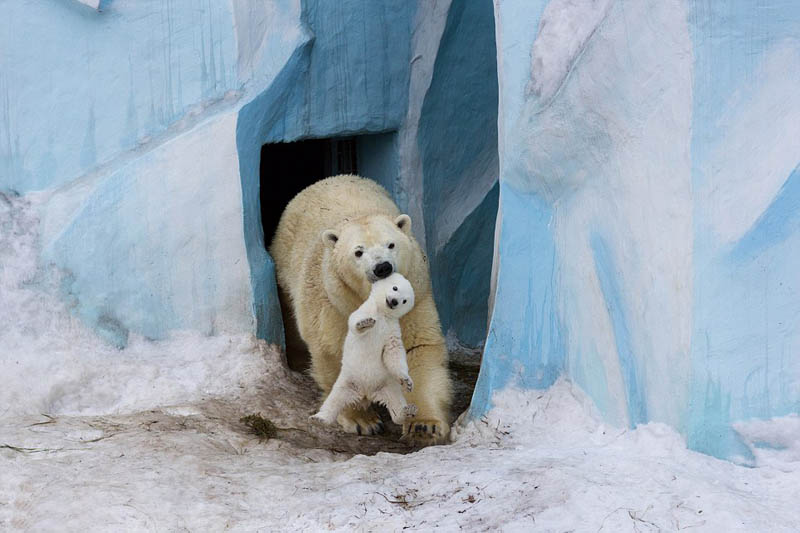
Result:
[
  {"x": 289, "y": 168},
  {"x": 457, "y": 194},
  {"x": 443, "y": 170},
  {"x": 286, "y": 169}
]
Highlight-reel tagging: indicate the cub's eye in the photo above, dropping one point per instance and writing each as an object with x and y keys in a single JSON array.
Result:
[
  {"x": 404, "y": 301},
  {"x": 391, "y": 245},
  {"x": 394, "y": 288},
  {"x": 359, "y": 253}
]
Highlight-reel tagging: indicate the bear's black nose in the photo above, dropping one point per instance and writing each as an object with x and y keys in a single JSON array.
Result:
[
  {"x": 393, "y": 303},
  {"x": 382, "y": 270}
]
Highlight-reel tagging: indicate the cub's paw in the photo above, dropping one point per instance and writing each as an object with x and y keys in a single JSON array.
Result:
[
  {"x": 360, "y": 421},
  {"x": 407, "y": 383},
  {"x": 320, "y": 420},
  {"x": 364, "y": 324},
  {"x": 410, "y": 411},
  {"x": 425, "y": 431}
]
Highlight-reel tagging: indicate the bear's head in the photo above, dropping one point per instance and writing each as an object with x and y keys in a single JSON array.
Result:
[
  {"x": 369, "y": 248},
  {"x": 394, "y": 295}
]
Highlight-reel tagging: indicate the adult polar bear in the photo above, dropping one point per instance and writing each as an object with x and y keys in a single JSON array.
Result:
[{"x": 334, "y": 239}]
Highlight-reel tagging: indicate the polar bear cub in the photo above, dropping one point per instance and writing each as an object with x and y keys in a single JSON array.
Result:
[{"x": 374, "y": 366}]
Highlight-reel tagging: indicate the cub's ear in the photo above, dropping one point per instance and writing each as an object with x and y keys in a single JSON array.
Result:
[
  {"x": 329, "y": 238},
  {"x": 404, "y": 223}
]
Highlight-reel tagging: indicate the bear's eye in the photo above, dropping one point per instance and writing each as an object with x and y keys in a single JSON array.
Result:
[
  {"x": 394, "y": 288},
  {"x": 404, "y": 301},
  {"x": 391, "y": 245},
  {"x": 359, "y": 253}
]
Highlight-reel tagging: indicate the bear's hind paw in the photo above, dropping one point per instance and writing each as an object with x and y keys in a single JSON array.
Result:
[{"x": 363, "y": 421}]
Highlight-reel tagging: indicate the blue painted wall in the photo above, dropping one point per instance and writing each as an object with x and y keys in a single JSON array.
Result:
[
  {"x": 349, "y": 77},
  {"x": 457, "y": 142},
  {"x": 648, "y": 202},
  {"x": 526, "y": 343},
  {"x": 79, "y": 87},
  {"x": 745, "y": 157},
  {"x": 142, "y": 122}
]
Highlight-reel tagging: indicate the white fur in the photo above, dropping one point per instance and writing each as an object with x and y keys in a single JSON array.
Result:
[{"x": 374, "y": 365}]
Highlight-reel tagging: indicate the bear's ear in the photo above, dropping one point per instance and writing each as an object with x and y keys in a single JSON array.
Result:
[
  {"x": 329, "y": 237},
  {"x": 404, "y": 223}
]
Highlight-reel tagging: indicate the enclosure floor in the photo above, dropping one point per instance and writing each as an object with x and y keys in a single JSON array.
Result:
[{"x": 539, "y": 461}]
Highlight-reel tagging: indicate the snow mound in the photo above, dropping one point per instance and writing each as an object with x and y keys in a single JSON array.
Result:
[
  {"x": 774, "y": 442},
  {"x": 52, "y": 363}
]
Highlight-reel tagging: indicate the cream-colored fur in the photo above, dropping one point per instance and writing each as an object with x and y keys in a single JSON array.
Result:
[
  {"x": 374, "y": 366},
  {"x": 317, "y": 269}
]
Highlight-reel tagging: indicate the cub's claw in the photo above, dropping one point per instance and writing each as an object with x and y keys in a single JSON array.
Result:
[
  {"x": 407, "y": 383},
  {"x": 364, "y": 324},
  {"x": 410, "y": 411},
  {"x": 319, "y": 420}
]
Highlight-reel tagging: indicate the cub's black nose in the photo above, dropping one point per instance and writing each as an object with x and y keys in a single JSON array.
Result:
[
  {"x": 383, "y": 270},
  {"x": 394, "y": 303}
]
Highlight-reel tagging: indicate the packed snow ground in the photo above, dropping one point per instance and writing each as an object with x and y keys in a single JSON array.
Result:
[{"x": 149, "y": 438}]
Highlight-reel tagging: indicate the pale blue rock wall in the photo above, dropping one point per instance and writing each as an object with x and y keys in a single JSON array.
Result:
[
  {"x": 80, "y": 87},
  {"x": 123, "y": 120},
  {"x": 649, "y": 231},
  {"x": 138, "y": 128},
  {"x": 349, "y": 77},
  {"x": 458, "y": 146}
]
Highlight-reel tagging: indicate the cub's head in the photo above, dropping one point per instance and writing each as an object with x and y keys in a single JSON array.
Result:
[
  {"x": 394, "y": 295},
  {"x": 369, "y": 248}
]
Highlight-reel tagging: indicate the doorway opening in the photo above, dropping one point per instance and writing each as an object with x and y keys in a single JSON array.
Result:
[{"x": 288, "y": 168}]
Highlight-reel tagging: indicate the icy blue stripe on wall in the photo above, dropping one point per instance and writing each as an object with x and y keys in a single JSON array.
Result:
[
  {"x": 525, "y": 345},
  {"x": 609, "y": 277},
  {"x": 776, "y": 225}
]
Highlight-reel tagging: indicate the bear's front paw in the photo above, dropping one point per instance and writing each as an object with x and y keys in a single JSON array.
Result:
[
  {"x": 364, "y": 324},
  {"x": 410, "y": 411},
  {"x": 407, "y": 383},
  {"x": 425, "y": 431}
]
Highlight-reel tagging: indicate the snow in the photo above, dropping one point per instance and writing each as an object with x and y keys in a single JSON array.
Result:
[
  {"x": 95, "y": 439},
  {"x": 60, "y": 366},
  {"x": 538, "y": 459},
  {"x": 773, "y": 442}
]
